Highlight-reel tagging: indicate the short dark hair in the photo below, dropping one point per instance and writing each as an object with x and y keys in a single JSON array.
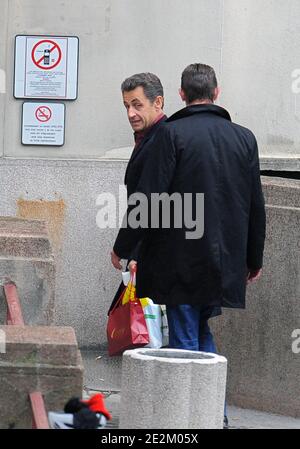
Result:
[
  {"x": 148, "y": 81},
  {"x": 198, "y": 81}
]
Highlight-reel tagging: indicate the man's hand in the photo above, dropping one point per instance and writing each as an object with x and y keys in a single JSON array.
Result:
[
  {"x": 115, "y": 260},
  {"x": 132, "y": 266},
  {"x": 253, "y": 275}
]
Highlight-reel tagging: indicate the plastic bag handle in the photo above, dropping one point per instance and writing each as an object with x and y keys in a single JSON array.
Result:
[{"x": 132, "y": 274}]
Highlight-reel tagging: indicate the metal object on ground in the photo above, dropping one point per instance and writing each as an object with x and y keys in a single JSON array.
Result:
[
  {"x": 14, "y": 311},
  {"x": 39, "y": 416}
]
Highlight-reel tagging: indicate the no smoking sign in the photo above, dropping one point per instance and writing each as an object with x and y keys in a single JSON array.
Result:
[{"x": 43, "y": 124}]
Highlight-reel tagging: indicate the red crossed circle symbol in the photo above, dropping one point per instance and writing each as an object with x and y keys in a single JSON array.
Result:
[
  {"x": 39, "y": 61},
  {"x": 43, "y": 113}
]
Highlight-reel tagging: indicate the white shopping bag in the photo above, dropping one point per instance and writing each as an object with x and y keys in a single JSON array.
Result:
[
  {"x": 156, "y": 318},
  {"x": 126, "y": 277},
  {"x": 164, "y": 326},
  {"x": 152, "y": 313}
]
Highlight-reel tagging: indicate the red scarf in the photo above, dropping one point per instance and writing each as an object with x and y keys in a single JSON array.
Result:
[{"x": 139, "y": 135}]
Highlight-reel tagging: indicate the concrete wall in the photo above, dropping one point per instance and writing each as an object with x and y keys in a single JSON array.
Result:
[
  {"x": 254, "y": 53},
  {"x": 260, "y": 51},
  {"x": 117, "y": 38},
  {"x": 26, "y": 259},
  {"x": 252, "y": 45},
  {"x": 37, "y": 359},
  {"x": 85, "y": 279},
  {"x": 263, "y": 370}
]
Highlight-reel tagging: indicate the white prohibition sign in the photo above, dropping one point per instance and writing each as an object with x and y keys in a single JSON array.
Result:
[{"x": 46, "y": 67}]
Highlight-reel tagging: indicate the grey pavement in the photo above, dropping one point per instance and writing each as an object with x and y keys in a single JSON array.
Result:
[{"x": 103, "y": 374}]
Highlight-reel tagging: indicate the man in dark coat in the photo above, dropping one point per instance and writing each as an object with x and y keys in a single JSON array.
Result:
[
  {"x": 199, "y": 150},
  {"x": 143, "y": 99}
]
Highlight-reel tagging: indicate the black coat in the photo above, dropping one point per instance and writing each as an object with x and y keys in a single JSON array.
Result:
[
  {"x": 199, "y": 150},
  {"x": 135, "y": 168},
  {"x": 133, "y": 173}
]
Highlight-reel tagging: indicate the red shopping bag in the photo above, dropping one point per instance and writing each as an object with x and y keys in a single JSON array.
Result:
[{"x": 126, "y": 327}]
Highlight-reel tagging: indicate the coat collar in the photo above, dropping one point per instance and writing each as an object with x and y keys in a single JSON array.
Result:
[
  {"x": 147, "y": 136},
  {"x": 197, "y": 108},
  {"x": 137, "y": 150}
]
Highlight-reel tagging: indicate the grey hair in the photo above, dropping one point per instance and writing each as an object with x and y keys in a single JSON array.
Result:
[{"x": 148, "y": 81}]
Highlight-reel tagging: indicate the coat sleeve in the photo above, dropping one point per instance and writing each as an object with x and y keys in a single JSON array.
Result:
[
  {"x": 135, "y": 253},
  {"x": 257, "y": 216},
  {"x": 156, "y": 177}
]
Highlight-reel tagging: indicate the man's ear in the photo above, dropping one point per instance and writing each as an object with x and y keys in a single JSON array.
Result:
[
  {"x": 182, "y": 94},
  {"x": 159, "y": 102},
  {"x": 217, "y": 92}
]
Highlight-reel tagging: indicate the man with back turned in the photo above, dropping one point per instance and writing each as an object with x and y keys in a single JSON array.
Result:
[{"x": 199, "y": 150}]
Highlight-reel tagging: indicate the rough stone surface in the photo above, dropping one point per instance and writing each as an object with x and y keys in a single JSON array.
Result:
[
  {"x": 280, "y": 163},
  {"x": 263, "y": 371},
  {"x": 23, "y": 238},
  {"x": 51, "y": 364},
  {"x": 190, "y": 383},
  {"x": 281, "y": 191},
  {"x": 85, "y": 281},
  {"x": 40, "y": 345},
  {"x": 26, "y": 259}
]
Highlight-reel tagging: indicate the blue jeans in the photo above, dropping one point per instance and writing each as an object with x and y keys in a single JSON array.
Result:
[{"x": 189, "y": 329}]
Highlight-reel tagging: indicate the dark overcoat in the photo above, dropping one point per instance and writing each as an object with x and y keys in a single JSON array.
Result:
[
  {"x": 132, "y": 176},
  {"x": 199, "y": 150}
]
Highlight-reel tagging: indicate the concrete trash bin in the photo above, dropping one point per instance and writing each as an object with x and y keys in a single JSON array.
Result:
[{"x": 172, "y": 389}]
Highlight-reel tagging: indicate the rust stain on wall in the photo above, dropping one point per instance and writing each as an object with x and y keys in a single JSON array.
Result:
[{"x": 52, "y": 212}]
